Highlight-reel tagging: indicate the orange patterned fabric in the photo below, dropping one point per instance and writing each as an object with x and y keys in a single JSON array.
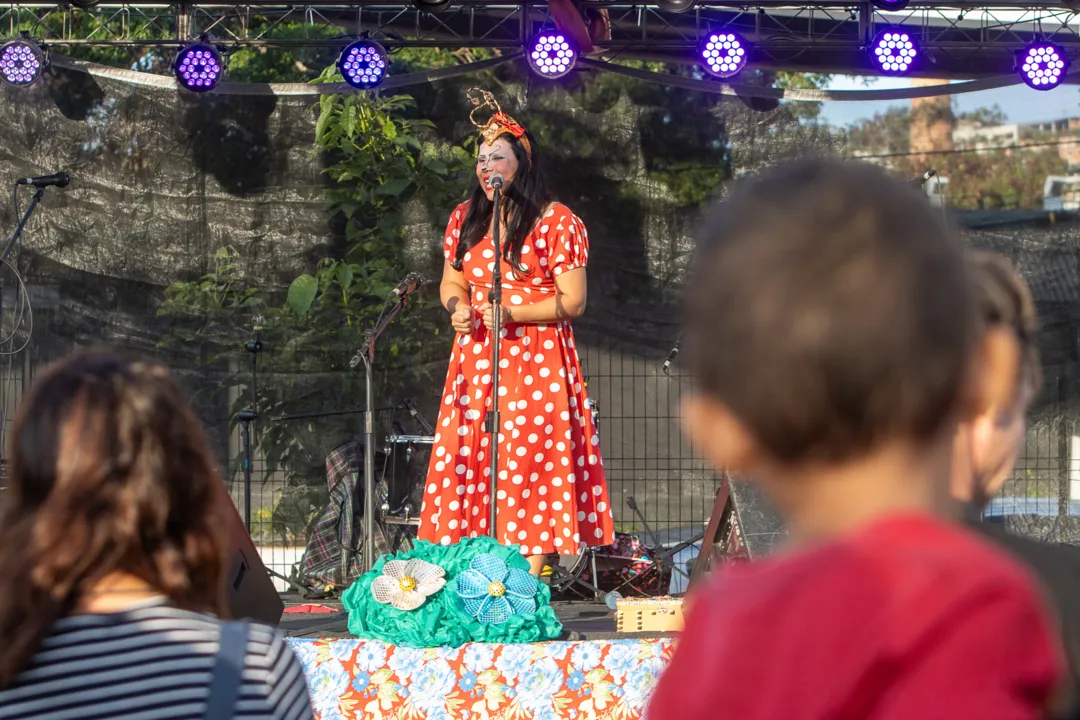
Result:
[{"x": 586, "y": 680}]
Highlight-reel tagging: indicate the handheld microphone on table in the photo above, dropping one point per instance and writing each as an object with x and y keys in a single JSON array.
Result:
[
  {"x": 60, "y": 179},
  {"x": 409, "y": 285}
]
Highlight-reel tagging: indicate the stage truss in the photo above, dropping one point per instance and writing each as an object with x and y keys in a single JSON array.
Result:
[{"x": 962, "y": 40}]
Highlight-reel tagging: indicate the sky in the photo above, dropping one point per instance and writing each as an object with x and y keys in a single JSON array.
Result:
[{"x": 1019, "y": 102}]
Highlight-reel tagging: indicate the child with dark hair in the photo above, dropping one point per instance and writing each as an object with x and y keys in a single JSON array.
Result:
[
  {"x": 832, "y": 330},
  {"x": 987, "y": 446}
]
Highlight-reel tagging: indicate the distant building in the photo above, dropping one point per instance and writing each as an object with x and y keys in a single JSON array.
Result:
[{"x": 1065, "y": 131}]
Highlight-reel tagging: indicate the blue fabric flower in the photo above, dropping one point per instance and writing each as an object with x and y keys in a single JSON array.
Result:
[{"x": 491, "y": 592}]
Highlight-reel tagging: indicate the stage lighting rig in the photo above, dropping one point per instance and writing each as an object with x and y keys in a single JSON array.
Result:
[
  {"x": 894, "y": 51},
  {"x": 432, "y": 6},
  {"x": 1042, "y": 65},
  {"x": 552, "y": 54},
  {"x": 363, "y": 64},
  {"x": 723, "y": 54},
  {"x": 21, "y": 62},
  {"x": 676, "y": 6},
  {"x": 198, "y": 67},
  {"x": 891, "y": 5}
]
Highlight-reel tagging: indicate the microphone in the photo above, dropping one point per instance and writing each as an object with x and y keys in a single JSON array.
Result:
[
  {"x": 495, "y": 182},
  {"x": 255, "y": 345},
  {"x": 922, "y": 179},
  {"x": 407, "y": 286},
  {"x": 60, "y": 179},
  {"x": 673, "y": 354}
]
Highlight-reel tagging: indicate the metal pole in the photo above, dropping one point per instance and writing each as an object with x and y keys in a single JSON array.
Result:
[
  {"x": 246, "y": 437},
  {"x": 495, "y": 298},
  {"x": 369, "y": 465},
  {"x": 22, "y": 223},
  {"x": 366, "y": 354},
  {"x": 245, "y": 417}
]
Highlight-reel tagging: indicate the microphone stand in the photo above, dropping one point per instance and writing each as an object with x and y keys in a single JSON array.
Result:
[
  {"x": 246, "y": 417},
  {"x": 495, "y": 299},
  {"x": 38, "y": 195},
  {"x": 366, "y": 355}
]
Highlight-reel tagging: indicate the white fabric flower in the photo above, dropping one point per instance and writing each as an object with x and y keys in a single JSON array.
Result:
[{"x": 405, "y": 584}]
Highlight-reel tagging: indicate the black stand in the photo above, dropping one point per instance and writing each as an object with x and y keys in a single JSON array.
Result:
[
  {"x": 664, "y": 556},
  {"x": 247, "y": 416},
  {"x": 40, "y": 193},
  {"x": 492, "y": 422},
  {"x": 366, "y": 354}
]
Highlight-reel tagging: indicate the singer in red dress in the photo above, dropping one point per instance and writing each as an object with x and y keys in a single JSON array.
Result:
[{"x": 551, "y": 493}]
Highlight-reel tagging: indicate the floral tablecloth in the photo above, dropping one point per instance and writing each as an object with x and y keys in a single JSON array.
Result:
[{"x": 585, "y": 680}]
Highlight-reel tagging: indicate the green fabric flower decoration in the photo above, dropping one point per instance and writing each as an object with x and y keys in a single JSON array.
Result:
[{"x": 442, "y": 620}]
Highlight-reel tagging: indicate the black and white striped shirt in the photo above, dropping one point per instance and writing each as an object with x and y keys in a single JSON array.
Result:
[{"x": 151, "y": 662}]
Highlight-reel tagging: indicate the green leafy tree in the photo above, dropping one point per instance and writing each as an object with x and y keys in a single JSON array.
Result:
[
  {"x": 984, "y": 117},
  {"x": 885, "y": 133}
]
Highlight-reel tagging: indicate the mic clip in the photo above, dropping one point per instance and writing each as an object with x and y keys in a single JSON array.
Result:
[{"x": 672, "y": 355}]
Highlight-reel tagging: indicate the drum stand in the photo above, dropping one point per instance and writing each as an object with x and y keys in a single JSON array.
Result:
[
  {"x": 664, "y": 556},
  {"x": 562, "y": 579}
]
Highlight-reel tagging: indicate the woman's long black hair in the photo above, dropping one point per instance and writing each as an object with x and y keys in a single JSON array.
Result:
[{"x": 524, "y": 200}]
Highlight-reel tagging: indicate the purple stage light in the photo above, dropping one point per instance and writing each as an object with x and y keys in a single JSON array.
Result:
[
  {"x": 552, "y": 54},
  {"x": 21, "y": 62},
  {"x": 1043, "y": 65},
  {"x": 894, "y": 51},
  {"x": 363, "y": 64},
  {"x": 198, "y": 67},
  {"x": 723, "y": 54}
]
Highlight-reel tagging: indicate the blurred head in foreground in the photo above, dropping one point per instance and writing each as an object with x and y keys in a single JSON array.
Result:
[
  {"x": 110, "y": 476},
  {"x": 831, "y": 328}
]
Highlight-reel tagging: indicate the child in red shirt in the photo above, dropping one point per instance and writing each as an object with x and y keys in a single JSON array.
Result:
[{"x": 832, "y": 330}]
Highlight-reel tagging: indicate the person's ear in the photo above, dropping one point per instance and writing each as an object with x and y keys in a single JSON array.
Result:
[
  {"x": 994, "y": 374},
  {"x": 722, "y": 437}
]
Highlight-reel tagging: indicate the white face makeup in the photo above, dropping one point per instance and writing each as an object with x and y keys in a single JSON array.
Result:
[{"x": 495, "y": 158}]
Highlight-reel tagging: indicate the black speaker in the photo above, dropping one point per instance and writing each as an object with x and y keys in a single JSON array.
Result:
[{"x": 248, "y": 588}]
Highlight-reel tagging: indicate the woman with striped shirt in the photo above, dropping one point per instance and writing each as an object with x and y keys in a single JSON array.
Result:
[{"x": 111, "y": 558}]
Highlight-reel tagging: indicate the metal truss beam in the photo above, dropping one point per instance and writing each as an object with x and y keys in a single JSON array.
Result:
[{"x": 962, "y": 39}]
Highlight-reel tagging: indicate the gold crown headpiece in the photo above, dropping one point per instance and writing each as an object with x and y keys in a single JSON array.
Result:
[{"x": 499, "y": 123}]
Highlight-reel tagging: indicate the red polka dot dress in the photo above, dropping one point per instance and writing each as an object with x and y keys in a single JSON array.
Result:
[{"x": 552, "y": 494}]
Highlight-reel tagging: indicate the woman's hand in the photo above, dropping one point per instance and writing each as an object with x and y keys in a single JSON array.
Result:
[
  {"x": 487, "y": 311},
  {"x": 462, "y": 318}
]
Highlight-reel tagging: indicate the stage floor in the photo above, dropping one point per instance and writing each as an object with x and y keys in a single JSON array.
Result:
[{"x": 582, "y": 620}]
